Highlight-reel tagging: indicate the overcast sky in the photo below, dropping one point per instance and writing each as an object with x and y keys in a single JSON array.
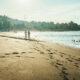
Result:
[{"x": 42, "y": 10}]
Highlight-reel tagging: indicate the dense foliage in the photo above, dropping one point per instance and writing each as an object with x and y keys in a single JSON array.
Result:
[{"x": 7, "y": 24}]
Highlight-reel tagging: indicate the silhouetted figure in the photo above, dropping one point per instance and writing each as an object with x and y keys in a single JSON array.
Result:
[
  {"x": 73, "y": 41},
  {"x": 29, "y": 34},
  {"x": 25, "y": 34}
]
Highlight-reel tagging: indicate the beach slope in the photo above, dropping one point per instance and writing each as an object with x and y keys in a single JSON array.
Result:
[{"x": 37, "y": 60}]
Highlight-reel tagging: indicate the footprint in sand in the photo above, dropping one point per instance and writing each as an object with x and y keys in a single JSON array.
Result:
[
  {"x": 53, "y": 64},
  {"x": 61, "y": 55},
  {"x": 41, "y": 52},
  {"x": 48, "y": 50},
  {"x": 36, "y": 49},
  {"x": 61, "y": 52},
  {"x": 30, "y": 57},
  {"x": 69, "y": 59},
  {"x": 59, "y": 64},
  {"x": 30, "y": 52},
  {"x": 74, "y": 79},
  {"x": 2, "y": 56},
  {"x": 55, "y": 50},
  {"x": 76, "y": 65},
  {"x": 63, "y": 68},
  {"x": 18, "y": 56},
  {"x": 23, "y": 52},
  {"x": 7, "y": 53},
  {"x": 65, "y": 78},
  {"x": 77, "y": 59},
  {"x": 50, "y": 53},
  {"x": 51, "y": 57},
  {"x": 15, "y": 53},
  {"x": 56, "y": 66},
  {"x": 64, "y": 74}
]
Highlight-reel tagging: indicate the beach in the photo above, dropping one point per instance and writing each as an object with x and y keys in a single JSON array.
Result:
[{"x": 37, "y": 60}]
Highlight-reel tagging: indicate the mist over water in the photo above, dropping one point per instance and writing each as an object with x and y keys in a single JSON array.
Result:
[{"x": 68, "y": 38}]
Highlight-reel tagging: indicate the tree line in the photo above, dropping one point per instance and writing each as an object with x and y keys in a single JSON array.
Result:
[{"x": 8, "y": 24}]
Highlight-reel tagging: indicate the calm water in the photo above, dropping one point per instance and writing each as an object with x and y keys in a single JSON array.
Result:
[{"x": 65, "y": 38}]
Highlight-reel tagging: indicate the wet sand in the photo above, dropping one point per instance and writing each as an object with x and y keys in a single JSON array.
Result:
[{"x": 37, "y": 60}]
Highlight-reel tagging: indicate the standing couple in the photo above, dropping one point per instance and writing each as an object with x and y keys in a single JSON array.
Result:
[{"x": 27, "y": 34}]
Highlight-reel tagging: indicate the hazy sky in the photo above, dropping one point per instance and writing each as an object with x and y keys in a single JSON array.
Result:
[{"x": 42, "y": 10}]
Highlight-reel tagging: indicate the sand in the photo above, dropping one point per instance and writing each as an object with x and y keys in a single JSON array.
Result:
[{"x": 37, "y": 60}]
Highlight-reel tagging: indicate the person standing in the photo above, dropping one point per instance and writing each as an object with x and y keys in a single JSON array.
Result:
[
  {"x": 26, "y": 34},
  {"x": 29, "y": 34}
]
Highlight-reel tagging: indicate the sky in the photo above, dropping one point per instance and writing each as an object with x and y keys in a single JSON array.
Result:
[{"x": 42, "y": 10}]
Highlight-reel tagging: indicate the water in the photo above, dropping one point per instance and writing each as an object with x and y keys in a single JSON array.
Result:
[{"x": 65, "y": 38}]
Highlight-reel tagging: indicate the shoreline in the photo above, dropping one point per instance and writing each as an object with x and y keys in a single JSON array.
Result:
[{"x": 13, "y": 35}]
